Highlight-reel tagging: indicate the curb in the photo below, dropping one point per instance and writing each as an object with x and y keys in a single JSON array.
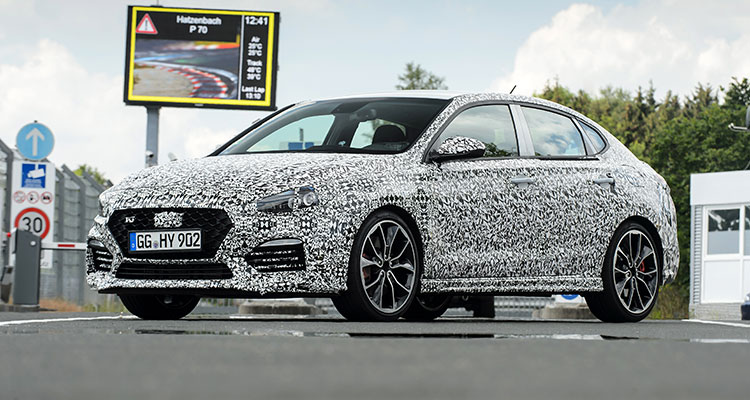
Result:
[
  {"x": 279, "y": 307},
  {"x": 564, "y": 311}
]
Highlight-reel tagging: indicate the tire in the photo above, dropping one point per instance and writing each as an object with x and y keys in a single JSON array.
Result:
[
  {"x": 373, "y": 269},
  {"x": 159, "y": 306},
  {"x": 631, "y": 276},
  {"x": 428, "y": 307}
]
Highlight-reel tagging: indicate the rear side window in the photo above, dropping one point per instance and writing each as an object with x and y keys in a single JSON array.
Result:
[
  {"x": 490, "y": 124},
  {"x": 553, "y": 134},
  {"x": 594, "y": 137}
]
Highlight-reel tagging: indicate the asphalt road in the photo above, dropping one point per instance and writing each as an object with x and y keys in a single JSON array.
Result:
[{"x": 229, "y": 357}]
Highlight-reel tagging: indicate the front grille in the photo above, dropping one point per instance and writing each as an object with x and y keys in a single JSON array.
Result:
[
  {"x": 101, "y": 257},
  {"x": 190, "y": 271},
  {"x": 213, "y": 223},
  {"x": 284, "y": 257}
]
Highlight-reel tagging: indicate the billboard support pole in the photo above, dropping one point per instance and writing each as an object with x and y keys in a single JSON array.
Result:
[{"x": 152, "y": 136}]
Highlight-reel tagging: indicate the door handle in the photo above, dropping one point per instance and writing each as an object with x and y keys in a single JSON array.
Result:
[
  {"x": 604, "y": 180},
  {"x": 522, "y": 180}
]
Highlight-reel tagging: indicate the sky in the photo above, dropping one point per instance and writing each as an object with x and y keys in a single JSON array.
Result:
[{"x": 62, "y": 62}]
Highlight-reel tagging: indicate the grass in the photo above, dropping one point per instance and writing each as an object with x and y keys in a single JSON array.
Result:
[
  {"x": 61, "y": 305},
  {"x": 671, "y": 304}
]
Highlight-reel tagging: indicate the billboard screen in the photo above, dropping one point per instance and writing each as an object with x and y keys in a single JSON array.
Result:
[{"x": 206, "y": 58}]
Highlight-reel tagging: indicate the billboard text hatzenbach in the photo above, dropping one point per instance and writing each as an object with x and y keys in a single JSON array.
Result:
[{"x": 206, "y": 58}]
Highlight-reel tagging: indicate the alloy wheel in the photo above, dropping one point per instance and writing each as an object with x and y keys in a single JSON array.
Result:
[
  {"x": 387, "y": 266},
  {"x": 635, "y": 271}
]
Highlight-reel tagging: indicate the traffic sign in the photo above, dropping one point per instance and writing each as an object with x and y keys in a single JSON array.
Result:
[
  {"x": 146, "y": 26},
  {"x": 47, "y": 198},
  {"x": 33, "y": 220},
  {"x": 32, "y": 197},
  {"x": 35, "y": 141},
  {"x": 33, "y": 205}
]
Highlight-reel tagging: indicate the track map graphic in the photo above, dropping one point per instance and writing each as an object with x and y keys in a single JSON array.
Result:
[{"x": 211, "y": 58}]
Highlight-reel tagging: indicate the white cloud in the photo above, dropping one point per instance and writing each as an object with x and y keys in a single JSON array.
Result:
[
  {"x": 83, "y": 110},
  {"x": 676, "y": 45}
]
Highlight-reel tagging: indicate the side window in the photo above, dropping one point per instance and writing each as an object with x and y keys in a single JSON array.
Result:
[
  {"x": 594, "y": 137},
  {"x": 553, "y": 134},
  {"x": 491, "y": 124},
  {"x": 298, "y": 135}
]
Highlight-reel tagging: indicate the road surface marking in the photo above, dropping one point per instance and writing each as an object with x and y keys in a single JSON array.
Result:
[
  {"x": 733, "y": 324},
  {"x": 37, "y": 321}
]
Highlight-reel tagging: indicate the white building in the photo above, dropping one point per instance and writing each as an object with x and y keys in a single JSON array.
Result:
[{"x": 719, "y": 244}]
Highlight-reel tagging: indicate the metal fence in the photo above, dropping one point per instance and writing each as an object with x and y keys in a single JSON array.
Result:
[{"x": 75, "y": 208}]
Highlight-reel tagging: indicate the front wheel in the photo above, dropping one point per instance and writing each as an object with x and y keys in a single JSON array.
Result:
[
  {"x": 631, "y": 276},
  {"x": 159, "y": 306},
  {"x": 384, "y": 271}
]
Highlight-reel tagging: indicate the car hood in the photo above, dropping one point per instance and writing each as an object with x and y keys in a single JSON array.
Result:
[{"x": 260, "y": 173}]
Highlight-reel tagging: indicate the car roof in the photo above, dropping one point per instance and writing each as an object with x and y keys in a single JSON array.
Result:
[{"x": 440, "y": 95}]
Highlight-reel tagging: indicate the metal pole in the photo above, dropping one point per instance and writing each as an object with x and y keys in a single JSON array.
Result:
[{"x": 152, "y": 136}]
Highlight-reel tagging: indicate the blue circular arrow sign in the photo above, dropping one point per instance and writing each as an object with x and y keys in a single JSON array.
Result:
[{"x": 35, "y": 141}]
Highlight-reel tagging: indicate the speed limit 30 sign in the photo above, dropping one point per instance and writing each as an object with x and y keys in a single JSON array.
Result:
[{"x": 33, "y": 220}]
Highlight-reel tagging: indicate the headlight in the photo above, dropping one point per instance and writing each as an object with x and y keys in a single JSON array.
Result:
[{"x": 289, "y": 200}]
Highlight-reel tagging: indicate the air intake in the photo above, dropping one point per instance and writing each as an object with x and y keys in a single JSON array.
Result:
[
  {"x": 173, "y": 271},
  {"x": 101, "y": 257},
  {"x": 278, "y": 255}
]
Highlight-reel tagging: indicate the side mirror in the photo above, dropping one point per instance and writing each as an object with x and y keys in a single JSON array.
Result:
[{"x": 458, "y": 147}]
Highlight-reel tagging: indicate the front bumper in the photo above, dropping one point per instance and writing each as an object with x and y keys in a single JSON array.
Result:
[{"x": 242, "y": 263}]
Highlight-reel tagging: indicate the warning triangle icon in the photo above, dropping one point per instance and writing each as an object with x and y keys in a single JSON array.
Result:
[{"x": 146, "y": 26}]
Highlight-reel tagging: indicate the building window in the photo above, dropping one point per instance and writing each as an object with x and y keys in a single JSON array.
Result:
[
  {"x": 747, "y": 230},
  {"x": 724, "y": 231}
]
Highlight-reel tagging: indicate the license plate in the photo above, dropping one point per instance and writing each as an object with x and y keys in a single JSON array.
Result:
[{"x": 165, "y": 240}]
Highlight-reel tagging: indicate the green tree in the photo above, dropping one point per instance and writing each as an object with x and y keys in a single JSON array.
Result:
[
  {"x": 94, "y": 172},
  {"x": 417, "y": 78}
]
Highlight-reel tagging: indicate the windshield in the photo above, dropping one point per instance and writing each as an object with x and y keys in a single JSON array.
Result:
[{"x": 343, "y": 126}]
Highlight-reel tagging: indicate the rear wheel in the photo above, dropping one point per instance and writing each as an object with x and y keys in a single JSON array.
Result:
[
  {"x": 631, "y": 276},
  {"x": 427, "y": 307},
  {"x": 384, "y": 271},
  {"x": 159, "y": 306}
]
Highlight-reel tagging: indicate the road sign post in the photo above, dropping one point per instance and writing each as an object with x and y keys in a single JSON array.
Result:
[{"x": 152, "y": 136}]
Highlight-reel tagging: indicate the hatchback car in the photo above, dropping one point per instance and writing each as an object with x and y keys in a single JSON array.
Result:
[{"x": 390, "y": 204}]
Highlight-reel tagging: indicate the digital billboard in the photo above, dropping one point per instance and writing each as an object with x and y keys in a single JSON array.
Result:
[{"x": 184, "y": 57}]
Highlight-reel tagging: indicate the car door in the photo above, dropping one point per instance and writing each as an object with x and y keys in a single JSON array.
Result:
[
  {"x": 476, "y": 203},
  {"x": 575, "y": 192}
]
